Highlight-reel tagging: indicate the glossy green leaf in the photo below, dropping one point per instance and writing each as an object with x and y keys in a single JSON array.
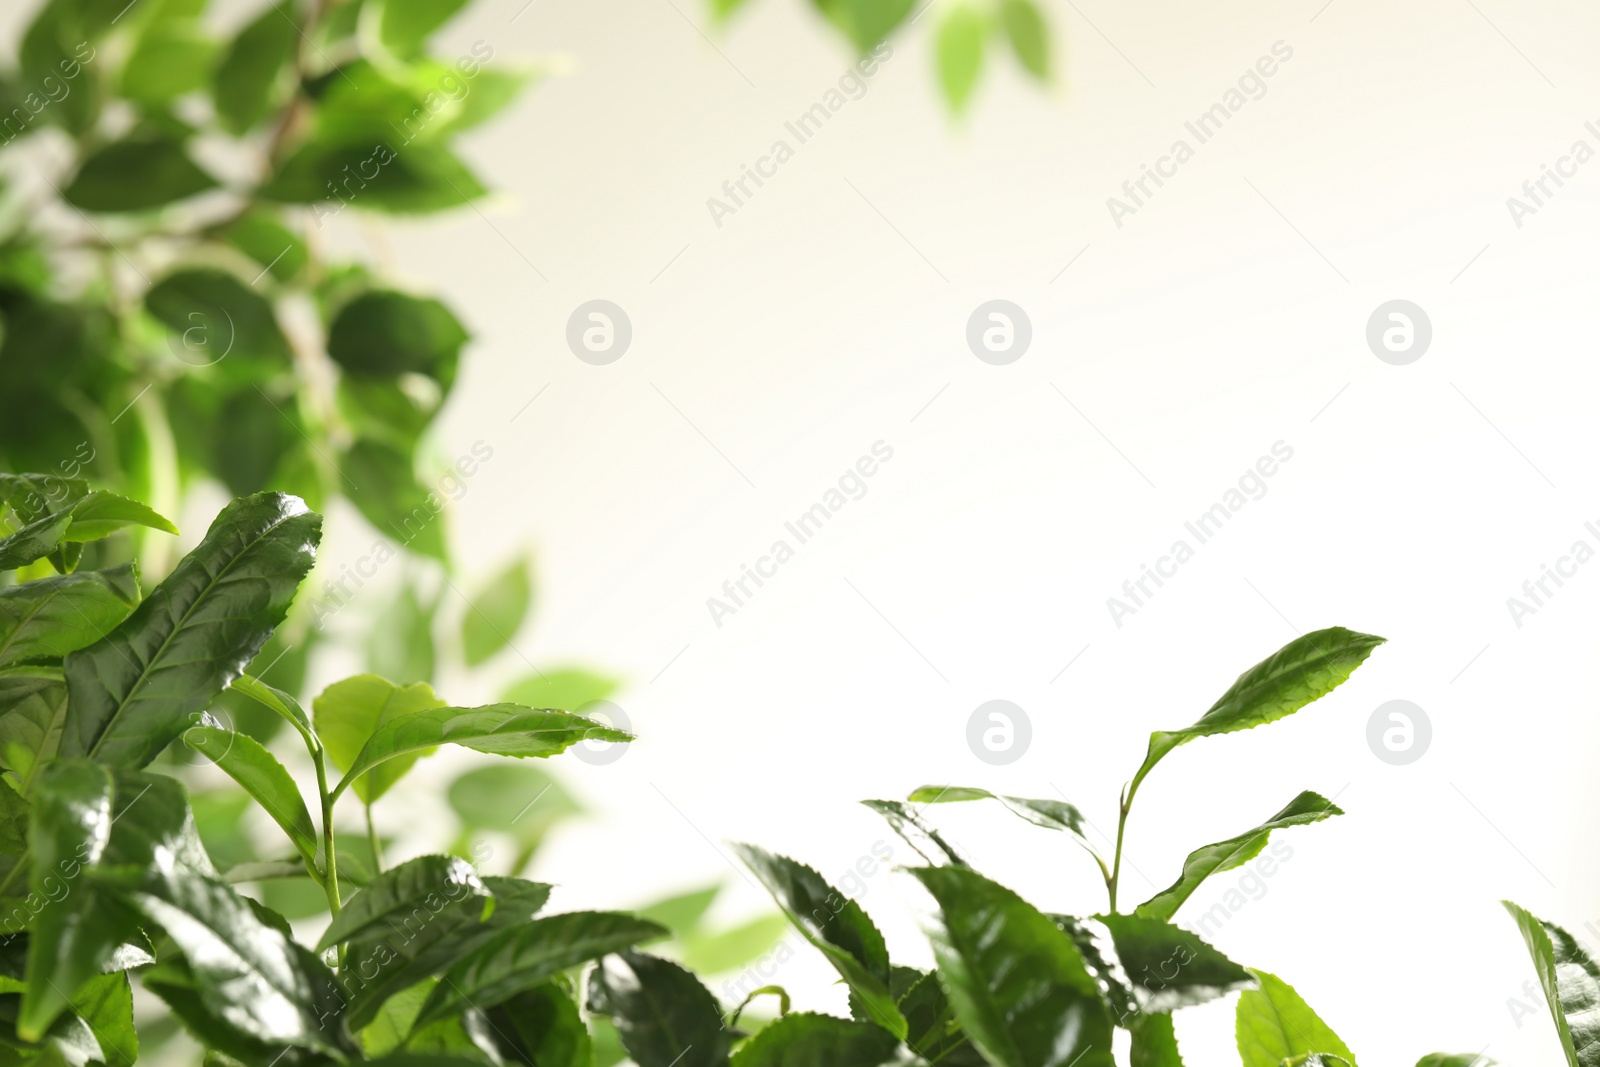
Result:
[
  {"x": 100, "y": 514},
  {"x": 835, "y": 925},
  {"x": 529, "y": 954},
  {"x": 216, "y": 317},
  {"x": 33, "y": 708},
  {"x": 1571, "y": 983},
  {"x": 543, "y": 1028},
  {"x": 1050, "y": 814},
  {"x": 567, "y": 688},
  {"x": 258, "y": 771},
  {"x": 499, "y": 729},
  {"x": 136, "y": 175},
  {"x": 430, "y": 939},
  {"x": 383, "y": 333},
  {"x": 932, "y": 1031},
  {"x": 251, "y": 77},
  {"x": 391, "y": 498},
  {"x": 1272, "y": 1025},
  {"x": 1029, "y": 36},
  {"x": 34, "y": 541},
  {"x": 807, "y": 1040},
  {"x": 1017, "y": 982},
  {"x": 1306, "y": 669},
  {"x": 665, "y": 1016},
  {"x": 963, "y": 31},
  {"x": 1154, "y": 1042},
  {"x": 1202, "y": 863},
  {"x": 424, "y": 882},
  {"x": 415, "y": 179},
  {"x": 1157, "y": 967},
  {"x": 280, "y": 704},
  {"x": 349, "y": 713},
  {"x": 48, "y": 618},
  {"x": 915, "y": 831},
  {"x": 134, "y": 692},
  {"x": 495, "y": 614}
]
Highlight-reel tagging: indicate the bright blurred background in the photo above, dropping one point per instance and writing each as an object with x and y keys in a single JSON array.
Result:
[{"x": 1229, "y": 313}]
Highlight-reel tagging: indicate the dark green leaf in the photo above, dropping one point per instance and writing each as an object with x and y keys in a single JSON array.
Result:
[
  {"x": 105, "y": 1003},
  {"x": 48, "y": 618},
  {"x": 136, "y": 175},
  {"x": 34, "y": 541},
  {"x": 216, "y": 316},
  {"x": 932, "y": 1031},
  {"x": 961, "y": 36},
  {"x": 416, "y": 179},
  {"x": 924, "y": 840},
  {"x": 543, "y": 1028},
  {"x": 1017, "y": 982},
  {"x": 1202, "y": 863},
  {"x": 243, "y": 759},
  {"x": 428, "y": 940},
  {"x": 1154, "y": 1043},
  {"x": 262, "y": 237},
  {"x": 349, "y": 713},
  {"x": 386, "y": 491},
  {"x": 807, "y": 1040},
  {"x": 835, "y": 925},
  {"x": 1156, "y": 966},
  {"x": 522, "y": 957},
  {"x": 1274, "y": 1025},
  {"x": 1304, "y": 670},
  {"x": 665, "y": 1016},
  {"x": 137, "y": 690},
  {"x": 1050, "y": 814},
  {"x": 280, "y": 703},
  {"x": 33, "y": 706},
  {"x": 500, "y": 729},
  {"x": 427, "y": 881},
  {"x": 495, "y": 614},
  {"x": 1571, "y": 983},
  {"x": 1028, "y": 34},
  {"x": 384, "y": 333},
  {"x": 250, "y": 79}
]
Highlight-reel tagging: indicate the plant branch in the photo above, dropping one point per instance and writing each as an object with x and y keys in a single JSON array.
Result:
[{"x": 330, "y": 862}]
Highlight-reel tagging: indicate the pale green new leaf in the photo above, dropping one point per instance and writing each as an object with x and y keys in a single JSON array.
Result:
[
  {"x": 1273, "y": 1025},
  {"x": 349, "y": 713},
  {"x": 495, "y": 614},
  {"x": 959, "y": 45}
]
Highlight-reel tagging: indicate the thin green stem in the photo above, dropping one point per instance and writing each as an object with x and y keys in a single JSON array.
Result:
[
  {"x": 374, "y": 844},
  {"x": 1116, "y": 862},
  {"x": 330, "y": 860}
]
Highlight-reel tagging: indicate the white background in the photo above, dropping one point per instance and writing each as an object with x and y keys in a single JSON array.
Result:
[{"x": 1226, "y": 315}]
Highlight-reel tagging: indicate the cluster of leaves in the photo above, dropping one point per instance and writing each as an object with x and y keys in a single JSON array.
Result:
[{"x": 966, "y": 30}]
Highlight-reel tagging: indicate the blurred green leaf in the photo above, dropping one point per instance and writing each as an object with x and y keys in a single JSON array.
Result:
[
  {"x": 265, "y": 239},
  {"x": 136, "y": 175},
  {"x": 404, "y": 26},
  {"x": 962, "y": 32},
  {"x": 170, "y": 59},
  {"x": 521, "y": 799},
  {"x": 400, "y": 644},
  {"x": 682, "y": 912},
  {"x": 866, "y": 22},
  {"x": 214, "y": 316},
  {"x": 383, "y": 333},
  {"x": 496, "y": 612},
  {"x": 708, "y": 952},
  {"x": 382, "y": 484},
  {"x": 1029, "y": 36},
  {"x": 567, "y": 688},
  {"x": 251, "y": 77},
  {"x": 415, "y": 179}
]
